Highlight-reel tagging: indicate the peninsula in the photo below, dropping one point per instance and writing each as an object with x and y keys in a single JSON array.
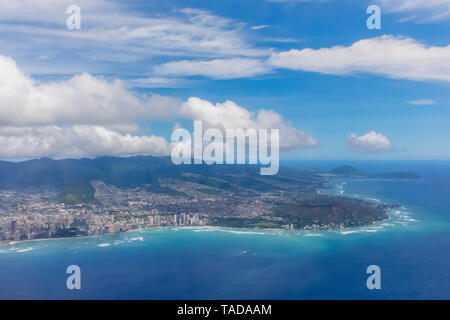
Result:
[{"x": 48, "y": 198}]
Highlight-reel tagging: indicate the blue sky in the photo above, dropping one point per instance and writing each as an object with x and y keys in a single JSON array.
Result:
[{"x": 116, "y": 85}]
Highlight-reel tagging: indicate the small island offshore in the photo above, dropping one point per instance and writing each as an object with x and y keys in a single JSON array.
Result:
[{"x": 45, "y": 198}]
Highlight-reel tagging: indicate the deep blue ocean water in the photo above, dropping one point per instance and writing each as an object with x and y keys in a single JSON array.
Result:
[{"x": 412, "y": 249}]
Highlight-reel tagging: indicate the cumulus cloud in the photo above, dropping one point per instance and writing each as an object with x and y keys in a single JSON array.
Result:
[
  {"x": 217, "y": 68},
  {"x": 229, "y": 115},
  {"x": 84, "y": 116},
  {"x": 422, "y": 102},
  {"x": 75, "y": 142},
  {"x": 83, "y": 99},
  {"x": 419, "y": 10},
  {"x": 370, "y": 142},
  {"x": 390, "y": 56},
  {"x": 87, "y": 116}
]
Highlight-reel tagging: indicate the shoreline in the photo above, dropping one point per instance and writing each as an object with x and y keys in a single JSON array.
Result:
[
  {"x": 11, "y": 243},
  {"x": 387, "y": 211}
]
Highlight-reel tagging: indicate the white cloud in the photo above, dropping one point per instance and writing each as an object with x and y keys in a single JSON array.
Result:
[
  {"x": 281, "y": 40},
  {"x": 390, "y": 56},
  {"x": 229, "y": 115},
  {"x": 218, "y": 68},
  {"x": 87, "y": 116},
  {"x": 84, "y": 116},
  {"x": 422, "y": 102},
  {"x": 76, "y": 142},
  {"x": 419, "y": 10},
  {"x": 156, "y": 82},
  {"x": 28, "y": 28},
  {"x": 83, "y": 99},
  {"x": 263, "y": 26},
  {"x": 370, "y": 142}
]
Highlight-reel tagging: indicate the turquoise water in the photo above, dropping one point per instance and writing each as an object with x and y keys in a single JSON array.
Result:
[{"x": 412, "y": 250}]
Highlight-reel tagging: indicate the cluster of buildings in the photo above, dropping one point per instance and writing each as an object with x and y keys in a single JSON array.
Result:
[
  {"x": 66, "y": 223},
  {"x": 34, "y": 214},
  {"x": 83, "y": 222}
]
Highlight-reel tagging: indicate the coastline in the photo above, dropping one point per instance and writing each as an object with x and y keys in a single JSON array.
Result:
[
  {"x": 327, "y": 187},
  {"x": 347, "y": 229},
  {"x": 389, "y": 243},
  {"x": 387, "y": 211},
  {"x": 11, "y": 243}
]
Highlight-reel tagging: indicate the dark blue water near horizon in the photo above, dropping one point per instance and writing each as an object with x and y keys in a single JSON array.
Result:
[{"x": 412, "y": 249}]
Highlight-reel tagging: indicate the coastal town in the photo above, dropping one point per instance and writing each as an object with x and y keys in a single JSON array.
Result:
[
  {"x": 34, "y": 214},
  {"x": 292, "y": 202}
]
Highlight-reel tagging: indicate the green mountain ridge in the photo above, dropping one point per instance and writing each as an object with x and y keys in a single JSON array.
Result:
[
  {"x": 224, "y": 195},
  {"x": 72, "y": 177}
]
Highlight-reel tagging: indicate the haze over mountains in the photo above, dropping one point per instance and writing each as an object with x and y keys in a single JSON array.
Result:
[{"x": 73, "y": 177}]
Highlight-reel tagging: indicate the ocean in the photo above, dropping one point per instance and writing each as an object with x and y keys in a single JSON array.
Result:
[{"x": 412, "y": 249}]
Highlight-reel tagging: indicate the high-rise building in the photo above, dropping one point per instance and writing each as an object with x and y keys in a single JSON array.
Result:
[{"x": 157, "y": 220}]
